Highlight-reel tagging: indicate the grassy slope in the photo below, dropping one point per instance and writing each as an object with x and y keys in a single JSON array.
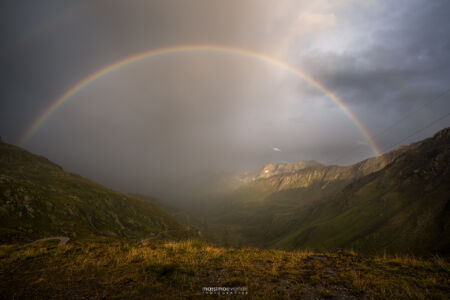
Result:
[
  {"x": 38, "y": 199},
  {"x": 403, "y": 208},
  {"x": 257, "y": 217},
  {"x": 263, "y": 210},
  {"x": 394, "y": 209},
  {"x": 180, "y": 270}
]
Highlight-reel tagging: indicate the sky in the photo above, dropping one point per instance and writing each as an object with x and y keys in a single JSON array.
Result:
[{"x": 165, "y": 124}]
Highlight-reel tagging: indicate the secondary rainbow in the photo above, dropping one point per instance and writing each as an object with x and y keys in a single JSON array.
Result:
[{"x": 195, "y": 48}]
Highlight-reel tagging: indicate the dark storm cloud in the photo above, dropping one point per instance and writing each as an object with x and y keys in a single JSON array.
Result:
[
  {"x": 176, "y": 119},
  {"x": 404, "y": 65},
  {"x": 409, "y": 53}
]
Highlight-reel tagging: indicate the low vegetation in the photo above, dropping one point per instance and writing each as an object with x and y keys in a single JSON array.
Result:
[{"x": 171, "y": 270}]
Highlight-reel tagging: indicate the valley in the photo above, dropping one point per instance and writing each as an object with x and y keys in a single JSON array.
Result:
[
  {"x": 376, "y": 229},
  {"x": 395, "y": 203}
]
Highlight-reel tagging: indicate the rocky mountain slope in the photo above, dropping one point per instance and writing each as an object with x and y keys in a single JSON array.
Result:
[
  {"x": 294, "y": 210},
  {"x": 232, "y": 180},
  {"x": 288, "y": 176},
  {"x": 39, "y": 199},
  {"x": 405, "y": 207}
]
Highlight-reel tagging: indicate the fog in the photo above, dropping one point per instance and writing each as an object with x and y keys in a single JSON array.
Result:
[{"x": 169, "y": 124}]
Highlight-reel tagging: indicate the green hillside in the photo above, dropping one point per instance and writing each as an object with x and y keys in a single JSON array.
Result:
[
  {"x": 264, "y": 209},
  {"x": 38, "y": 199},
  {"x": 403, "y": 208},
  {"x": 395, "y": 203}
]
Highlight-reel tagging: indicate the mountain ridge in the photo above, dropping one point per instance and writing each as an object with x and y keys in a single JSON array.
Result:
[
  {"x": 292, "y": 211},
  {"x": 39, "y": 199}
]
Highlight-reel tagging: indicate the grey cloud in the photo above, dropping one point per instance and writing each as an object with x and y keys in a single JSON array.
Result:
[{"x": 176, "y": 119}]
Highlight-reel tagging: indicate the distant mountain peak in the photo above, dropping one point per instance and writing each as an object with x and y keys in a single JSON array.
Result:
[{"x": 271, "y": 169}]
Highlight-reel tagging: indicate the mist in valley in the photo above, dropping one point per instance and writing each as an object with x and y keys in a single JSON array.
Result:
[{"x": 175, "y": 125}]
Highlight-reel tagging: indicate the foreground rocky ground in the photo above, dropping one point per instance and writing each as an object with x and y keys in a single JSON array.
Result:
[{"x": 173, "y": 270}]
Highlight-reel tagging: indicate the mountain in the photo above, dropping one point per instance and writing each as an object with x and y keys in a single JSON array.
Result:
[
  {"x": 403, "y": 208},
  {"x": 356, "y": 206},
  {"x": 271, "y": 169},
  {"x": 226, "y": 181},
  {"x": 39, "y": 199},
  {"x": 395, "y": 203},
  {"x": 251, "y": 211}
]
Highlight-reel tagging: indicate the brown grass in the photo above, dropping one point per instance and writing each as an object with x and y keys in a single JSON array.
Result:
[{"x": 180, "y": 269}]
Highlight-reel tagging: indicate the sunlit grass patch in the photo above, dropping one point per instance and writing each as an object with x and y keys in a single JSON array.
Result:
[{"x": 181, "y": 269}]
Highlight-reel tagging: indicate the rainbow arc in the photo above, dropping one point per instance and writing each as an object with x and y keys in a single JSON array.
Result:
[{"x": 194, "y": 48}]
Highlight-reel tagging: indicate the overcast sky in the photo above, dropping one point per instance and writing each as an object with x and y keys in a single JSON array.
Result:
[{"x": 173, "y": 119}]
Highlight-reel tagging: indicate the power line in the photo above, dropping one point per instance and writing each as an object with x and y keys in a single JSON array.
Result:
[
  {"x": 412, "y": 112},
  {"x": 406, "y": 116},
  {"x": 418, "y": 131}
]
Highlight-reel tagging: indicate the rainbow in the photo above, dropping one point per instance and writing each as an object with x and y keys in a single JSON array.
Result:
[{"x": 194, "y": 48}]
